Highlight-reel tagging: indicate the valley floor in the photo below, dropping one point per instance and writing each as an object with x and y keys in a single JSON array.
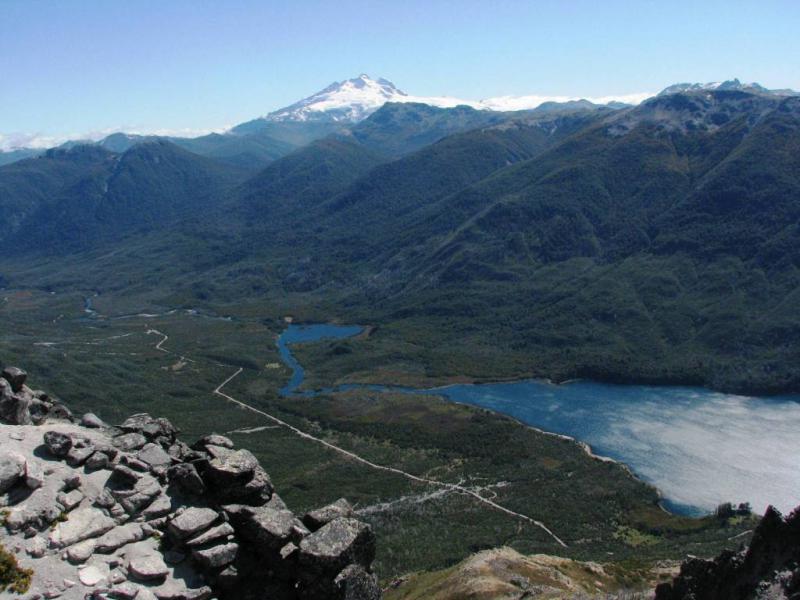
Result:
[{"x": 438, "y": 481}]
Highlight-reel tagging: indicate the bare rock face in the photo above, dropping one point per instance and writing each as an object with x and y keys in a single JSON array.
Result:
[
  {"x": 337, "y": 544},
  {"x": 768, "y": 568},
  {"x": 131, "y": 512}
]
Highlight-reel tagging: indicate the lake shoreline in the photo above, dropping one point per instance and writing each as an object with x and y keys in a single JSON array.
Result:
[{"x": 637, "y": 423}]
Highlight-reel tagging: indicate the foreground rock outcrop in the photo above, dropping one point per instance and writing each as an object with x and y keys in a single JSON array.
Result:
[
  {"x": 131, "y": 511},
  {"x": 769, "y": 568}
]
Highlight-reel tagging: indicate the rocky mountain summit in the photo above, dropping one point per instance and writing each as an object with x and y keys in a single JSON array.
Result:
[{"x": 130, "y": 511}]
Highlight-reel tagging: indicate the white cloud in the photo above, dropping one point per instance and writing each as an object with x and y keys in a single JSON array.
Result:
[{"x": 530, "y": 102}]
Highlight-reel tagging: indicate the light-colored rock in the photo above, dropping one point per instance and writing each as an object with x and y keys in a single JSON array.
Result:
[
  {"x": 37, "y": 547},
  {"x": 12, "y": 467},
  {"x": 34, "y": 474},
  {"x": 82, "y": 524},
  {"x": 92, "y": 421},
  {"x": 91, "y": 575},
  {"x": 81, "y": 552}
]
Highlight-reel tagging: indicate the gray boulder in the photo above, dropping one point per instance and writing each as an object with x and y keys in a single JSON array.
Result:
[
  {"x": 322, "y": 516},
  {"x": 152, "y": 428},
  {"x": 341, "y": 542},
  {"x": 268, "y": 529},
  {"x": 58, "y": 444},
  {"x": 91, "y": 421},
  {"x": 15, "y": 408},
  {"x": 79, "y": 453},
  {"x": 236, "y": 476},
  {"x": 144, "y": 492},
  {"x": 80, "y": 552},
  {"x": 235, "y": 468},
  {"x": 125, "y": 476},
  {"x": 186, "y": 477},
  {"x": 212, "y": 440},
  {"x": 97, "y": 461},
  {"x": 355, "y": 583},
  {"x": 15, "y": 376}
]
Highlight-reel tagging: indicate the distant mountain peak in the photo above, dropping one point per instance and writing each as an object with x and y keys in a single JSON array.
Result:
[
  {"x": 349, "y": 100},
  {"x": 731, "y": 84}
]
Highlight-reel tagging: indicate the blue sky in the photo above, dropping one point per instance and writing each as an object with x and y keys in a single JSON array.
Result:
[{"x": 75, "y": 66}]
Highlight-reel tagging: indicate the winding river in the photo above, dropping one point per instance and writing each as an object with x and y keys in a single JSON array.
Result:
[{"x": 697, "y": 446}]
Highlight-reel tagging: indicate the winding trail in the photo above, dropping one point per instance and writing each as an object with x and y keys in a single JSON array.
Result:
[
  {"x": 165, "y": 338},
  {"x": 453, "y": 487}
]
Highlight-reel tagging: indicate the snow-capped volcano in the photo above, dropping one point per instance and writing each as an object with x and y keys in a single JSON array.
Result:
[{"x": 353, "y": 100}]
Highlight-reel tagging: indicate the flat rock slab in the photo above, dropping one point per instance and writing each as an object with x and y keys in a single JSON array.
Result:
[
  {"x": 322, "y": 516},
  {"x": 154, "y": 455},
  {"x": 82, "y": 524},
  {"x": 128, "y": 442},
  {"x": 191, "y": 521},
  {"x": 91, "y": 575},
  {"x": 216, "y": 556},
  {"x": 148, "y": 567},
  {"x": 118, "y": 537},
  {"x": 236, "y": 467},
  {"x": 215, "y": 533}
]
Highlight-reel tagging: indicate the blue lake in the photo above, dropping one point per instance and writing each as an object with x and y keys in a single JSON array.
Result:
[{"x": 698, "y": 447}]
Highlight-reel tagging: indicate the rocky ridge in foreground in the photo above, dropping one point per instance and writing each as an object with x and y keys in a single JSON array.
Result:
[
  {"x": 131, "y": 512},
  {"x": 768, "y": 569}
]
